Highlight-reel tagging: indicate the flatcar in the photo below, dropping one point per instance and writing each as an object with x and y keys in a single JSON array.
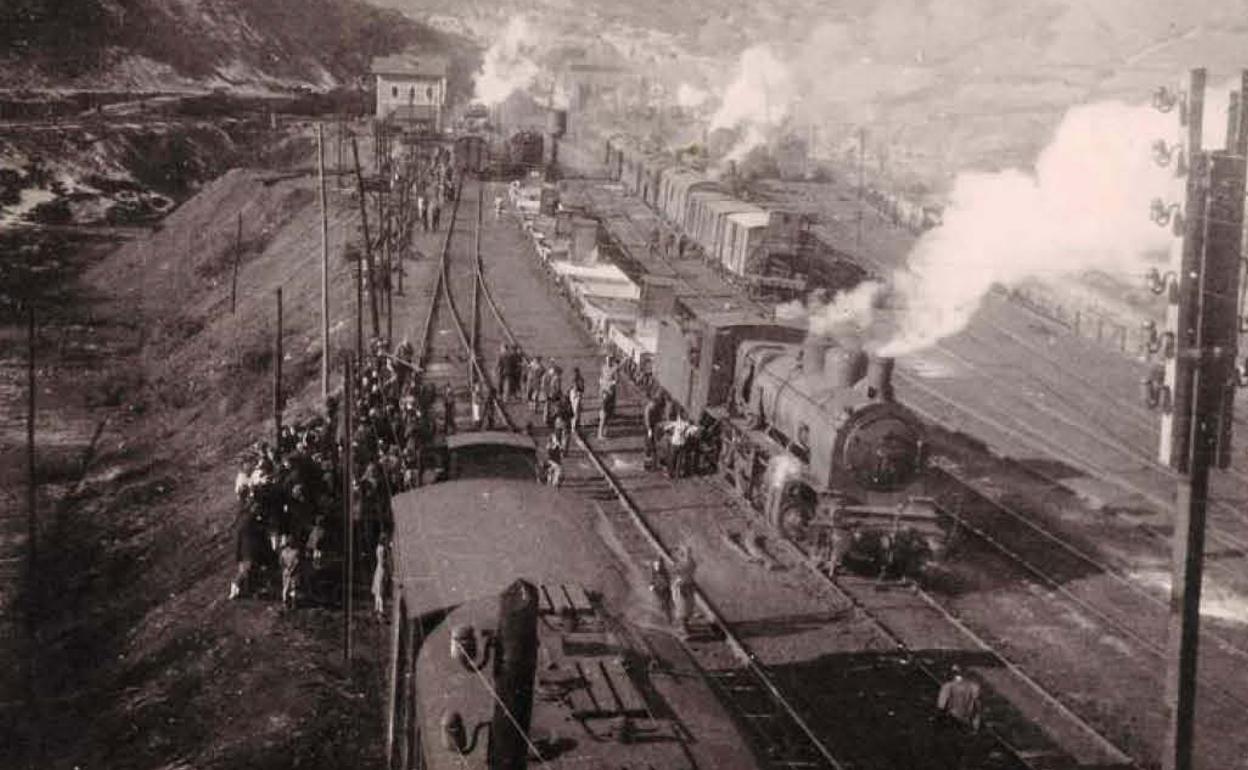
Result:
[
  {"x": 808, "y": 432},
  {"x": 510, "y": 635}
]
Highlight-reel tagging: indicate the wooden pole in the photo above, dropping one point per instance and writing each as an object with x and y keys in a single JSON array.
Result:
[
  {"x": 277, "y": 378},
  {"x": 348, "y": 539},
  {"x": 32, "y": 541},
  {"x": 1241, "y": 126},
  {"x": 368, "y": 245},
  {"x": 238, "y": 255},
  {"x": 320, "y": 165},
  {"x": 1205, "y": 349}
]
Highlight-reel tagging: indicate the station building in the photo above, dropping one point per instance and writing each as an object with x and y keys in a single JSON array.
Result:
[{"x": 411, "y": 89}]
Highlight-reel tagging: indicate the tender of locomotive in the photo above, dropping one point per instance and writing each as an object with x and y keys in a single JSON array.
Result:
[{"x": 809, "y": 433}]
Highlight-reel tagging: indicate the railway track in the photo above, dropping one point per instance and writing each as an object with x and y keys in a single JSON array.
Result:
[
  {"x": 778, "y": 724},
  {"x": 1111, "y": 620},
  {"x": 780, "y": 735}
]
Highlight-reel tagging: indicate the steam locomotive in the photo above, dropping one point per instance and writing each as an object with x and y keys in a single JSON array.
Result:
[
  {"x": 512, "y": 629},
  {"x": 491, "y": 156},
  {"x": 807, "y": 429}
]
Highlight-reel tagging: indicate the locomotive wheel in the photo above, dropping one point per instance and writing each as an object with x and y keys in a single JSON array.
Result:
[{"x": 793, "y": 519}]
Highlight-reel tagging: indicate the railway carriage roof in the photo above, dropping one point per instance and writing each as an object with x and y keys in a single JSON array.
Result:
[{"x": 461, "y": 540}]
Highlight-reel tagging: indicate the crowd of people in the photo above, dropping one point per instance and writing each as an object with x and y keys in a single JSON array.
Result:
[{"x": 288, "y": 491}]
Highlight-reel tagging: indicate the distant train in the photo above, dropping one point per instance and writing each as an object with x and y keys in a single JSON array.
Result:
[
  {"x": 761, "y": 246},
  {"x": 488, "y": 155},
  {"x": 808, "y": 432}
]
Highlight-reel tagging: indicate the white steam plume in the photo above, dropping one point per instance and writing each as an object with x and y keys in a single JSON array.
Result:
[
  {"x": 758, "y": 99},
  {"x": 690, "y": 96},
  {"x": 850, "y": 311},
  {"x": 509, "y": 64},
  {"x": 781, "y": 468},
  {"x": 1084, "y": 207}
]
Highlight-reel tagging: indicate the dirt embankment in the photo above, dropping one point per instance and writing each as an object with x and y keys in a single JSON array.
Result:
[{"x": 147, "y": 662}]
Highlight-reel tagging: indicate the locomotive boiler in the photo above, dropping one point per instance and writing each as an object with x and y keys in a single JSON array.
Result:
[{"x": 810, "y": 434}]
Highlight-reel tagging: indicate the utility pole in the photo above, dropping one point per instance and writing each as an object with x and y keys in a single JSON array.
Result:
[
  {"x": 348, "y": 480},
  {"x": 35, "y": 745},
  {"x": 368, "y": 246},
  {"x": 1206, "y": 337},
  {"x": 277, "y": 378},
  {"x": 320, "y": 165}
]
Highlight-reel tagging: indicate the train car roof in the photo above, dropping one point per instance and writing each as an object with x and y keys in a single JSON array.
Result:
[
  {"x": 730, "y": 205},
  {"x": 500, "y": 438},
  {"x": 710, "y": 195},
  {"x": 460, "y": 540},
  {"x": 750, "y": 219}
]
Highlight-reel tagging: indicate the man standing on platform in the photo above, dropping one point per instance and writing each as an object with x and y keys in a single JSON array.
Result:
[{"x": 958, "y": 719}]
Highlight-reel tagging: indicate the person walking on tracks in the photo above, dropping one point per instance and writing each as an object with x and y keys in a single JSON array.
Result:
[
  {"x": 379, "y": 578},
  {"x": 533, "y": 373},
  {"x": 652, "y": 421},
  {"x": 576, "y": 396},
  {"x": 248, "y": 548},
  {"x": 448, "y": 409},
  {"x": 290, "y": 561},
  {"x": 682, "y": 431},
  {"x": 682, "y": 588},
  {"x": 553, "y": 475},
  {"x": 661, "y": 587},
  {"x": 552, "y": 393},
  {"x": 958, "y": 719},
  {"x": 606, "y": 409}
]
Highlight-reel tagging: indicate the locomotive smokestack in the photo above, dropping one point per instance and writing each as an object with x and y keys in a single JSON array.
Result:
[{"x": 880, "y": 378}]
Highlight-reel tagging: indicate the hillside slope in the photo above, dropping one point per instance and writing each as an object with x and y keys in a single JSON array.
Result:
[{"x": 192, "y": 44}]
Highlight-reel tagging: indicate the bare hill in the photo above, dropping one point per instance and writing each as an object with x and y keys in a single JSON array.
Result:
[{"x": 158, "y": 45}]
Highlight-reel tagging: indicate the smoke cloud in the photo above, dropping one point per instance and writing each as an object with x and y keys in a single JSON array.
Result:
[
  {"x": 509, "y": 65},
  {"x": 1084, "y": 207},
  {"x": 691, "y": 97},
  {"x": 757, "y": 101},
  {"x": 781, "y": 468}
]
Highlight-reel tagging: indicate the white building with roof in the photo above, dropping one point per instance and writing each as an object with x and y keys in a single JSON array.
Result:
[{"x": 411, "y": 88}]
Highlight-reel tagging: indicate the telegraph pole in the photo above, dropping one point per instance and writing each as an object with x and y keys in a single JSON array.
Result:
[
  {"x": 1202, "y": 377},
  {"x": 320, "y": 165},
  {"x": 277, "y": 378},
  {"x": 348, "y": 470},
  {"x": 368, "y": 246}
]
